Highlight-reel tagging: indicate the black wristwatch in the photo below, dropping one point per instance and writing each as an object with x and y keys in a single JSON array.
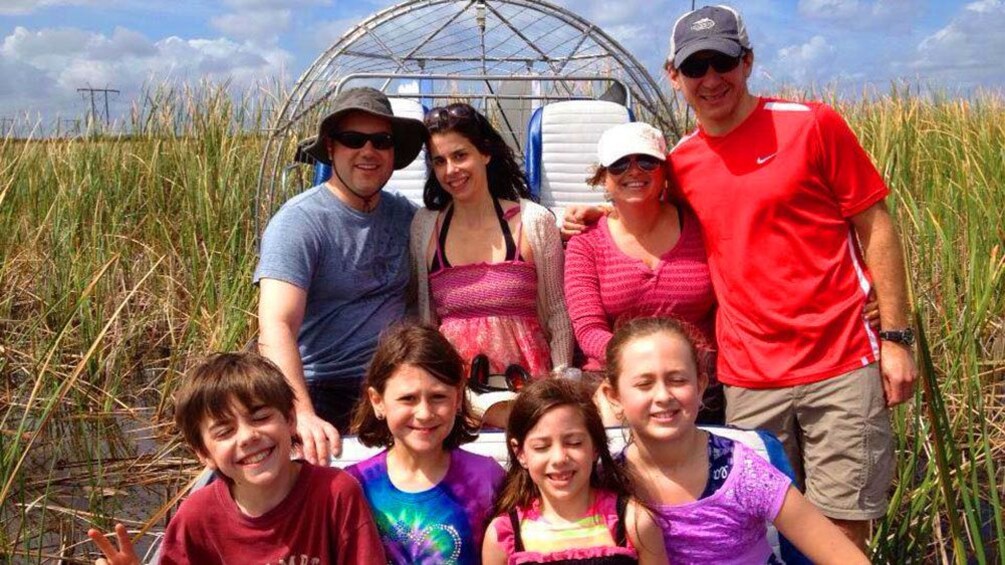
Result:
[{"x": 903, "y": 336}]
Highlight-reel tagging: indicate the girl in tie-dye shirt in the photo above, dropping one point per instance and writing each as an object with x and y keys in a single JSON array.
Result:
[{"x": 430, "y": 499}]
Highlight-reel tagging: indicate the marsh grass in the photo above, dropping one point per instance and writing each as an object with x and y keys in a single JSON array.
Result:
[
  {"x": 945, "y": 162},
  {"x": 122, "y": 258}
]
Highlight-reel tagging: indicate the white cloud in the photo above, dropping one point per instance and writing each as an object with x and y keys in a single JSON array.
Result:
[
  {"x": 642, "y": 27},
  {"x": 829, "y": 9},
  {"x": 21, "y": 7},
  {"x": 984, "y": 6},
  {"x": 274, "y": 4},
  {"x": 327, "y": 33},
  {"x": 605, "y": 13},
  {"x": 858, "y": 14},
  {"x": 123, "y": 43},
  {"x": 263, "y": 25},
  {"x": 961, "y": 53},
  {"x": 810, "y": 62},
  {"x": 260, "y": 21},
  {"x": 44, "y": 67}
]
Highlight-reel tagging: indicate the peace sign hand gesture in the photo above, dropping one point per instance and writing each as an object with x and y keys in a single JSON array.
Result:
[{"x": 124, "y": 555}]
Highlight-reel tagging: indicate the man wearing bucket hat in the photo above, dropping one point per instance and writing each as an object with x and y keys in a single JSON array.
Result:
[
  {"x": 790, "y": 206},
  {"x": 334, "y": 264}
]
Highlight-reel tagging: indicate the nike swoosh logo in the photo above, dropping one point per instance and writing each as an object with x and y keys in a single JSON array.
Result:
[{"x": 766, "y": 158}]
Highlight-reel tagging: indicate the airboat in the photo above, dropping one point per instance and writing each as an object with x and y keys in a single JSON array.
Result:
[{"x": 550, "y": 81}]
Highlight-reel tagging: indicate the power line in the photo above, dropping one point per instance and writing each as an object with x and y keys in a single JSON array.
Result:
[
  {"x": 73, "y": 122},
  {"x": 92, "y": 92}
]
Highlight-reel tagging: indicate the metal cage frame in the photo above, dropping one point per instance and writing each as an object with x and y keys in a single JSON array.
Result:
[{"x": 447, "y": 46}]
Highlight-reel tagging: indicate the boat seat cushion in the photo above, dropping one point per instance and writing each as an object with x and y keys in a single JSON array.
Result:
[{"x": 562, "y": 149}]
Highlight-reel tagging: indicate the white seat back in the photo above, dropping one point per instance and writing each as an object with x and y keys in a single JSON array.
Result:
[
  {"x": 409, "y": 181},
  {"x": 562, "y": 149}
]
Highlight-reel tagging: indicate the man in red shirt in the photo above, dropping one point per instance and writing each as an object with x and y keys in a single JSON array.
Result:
[{"x": 798, "y": 234}]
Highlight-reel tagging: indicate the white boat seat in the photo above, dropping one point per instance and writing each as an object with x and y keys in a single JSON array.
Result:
[
  {"x": 562, "y": 148},
  {"x": 410, "y": 181}
]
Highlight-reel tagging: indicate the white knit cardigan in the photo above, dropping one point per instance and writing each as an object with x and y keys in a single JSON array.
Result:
[{"x": 542, "y": 234}]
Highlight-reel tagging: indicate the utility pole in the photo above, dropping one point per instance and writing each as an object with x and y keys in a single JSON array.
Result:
[
  {"x": 7, "y": 126},
  {"x": 92, "y": 92},
  {"x": 73, "y": 123}
]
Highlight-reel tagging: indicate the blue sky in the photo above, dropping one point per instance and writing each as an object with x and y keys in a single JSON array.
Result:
[{"x": 49, "y": 48}]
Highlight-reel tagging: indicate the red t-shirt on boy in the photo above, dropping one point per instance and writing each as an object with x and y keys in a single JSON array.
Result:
[
  {"x": 774, "y": 197},
  {"x": 323, "y": 520}
]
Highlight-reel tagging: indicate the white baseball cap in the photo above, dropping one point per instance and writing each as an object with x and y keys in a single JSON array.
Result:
[{"x": 633, "y": 138}]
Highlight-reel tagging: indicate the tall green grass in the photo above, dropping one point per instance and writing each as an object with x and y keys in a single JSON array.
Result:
[
  {"x": 123, "y": 257},
  {"x": 120, "y": 258},
  {"x": 945, "y": 161}
]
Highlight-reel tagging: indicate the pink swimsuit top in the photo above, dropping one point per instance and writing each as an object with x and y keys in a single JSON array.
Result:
[{"x": 507, "y": 288}]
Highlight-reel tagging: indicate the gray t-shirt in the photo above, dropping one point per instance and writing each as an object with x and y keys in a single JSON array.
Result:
[{"x": 354, "y": 267}]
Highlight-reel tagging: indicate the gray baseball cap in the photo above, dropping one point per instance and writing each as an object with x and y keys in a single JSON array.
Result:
[
  {"x": 711, "y": 28},
  {"x": 409, "y": 134}
]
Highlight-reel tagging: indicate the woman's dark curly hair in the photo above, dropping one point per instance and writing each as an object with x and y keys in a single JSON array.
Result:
[{"x": 505, "y": 177}]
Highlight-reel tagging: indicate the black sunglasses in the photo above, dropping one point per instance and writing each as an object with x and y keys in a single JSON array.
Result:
[
  {"x": 438, "y": 116},
  {"x": 696, "y": 67},
  {"x": 357, "y": 139},
  {"x": 646, "y": 163}
]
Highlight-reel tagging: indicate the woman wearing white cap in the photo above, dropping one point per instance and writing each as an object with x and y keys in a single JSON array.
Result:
[{"x": 645, "y": 258}]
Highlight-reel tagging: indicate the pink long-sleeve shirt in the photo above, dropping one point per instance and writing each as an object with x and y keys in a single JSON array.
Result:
[{"x": 603, "y": 285}]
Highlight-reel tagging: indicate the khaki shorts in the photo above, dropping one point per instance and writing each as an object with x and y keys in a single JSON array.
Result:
[{"x": 836, "y": 433}]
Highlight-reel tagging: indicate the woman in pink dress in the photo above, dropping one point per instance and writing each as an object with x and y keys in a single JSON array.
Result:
[{"x": 488, "y": 260}]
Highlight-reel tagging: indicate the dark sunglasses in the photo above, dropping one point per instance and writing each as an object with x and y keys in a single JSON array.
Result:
[
  {"x": 356, "y": 139},
  {"x": 696, "y": 67},
  {"x": 646, "y": 163},
  {"x": 438, "y": 116}
]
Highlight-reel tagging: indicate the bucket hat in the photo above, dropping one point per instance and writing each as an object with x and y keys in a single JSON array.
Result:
[{"x": 409, "y": 134}]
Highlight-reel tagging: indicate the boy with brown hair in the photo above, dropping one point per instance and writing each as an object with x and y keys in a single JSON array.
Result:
[{"x": 236, "y": 412}]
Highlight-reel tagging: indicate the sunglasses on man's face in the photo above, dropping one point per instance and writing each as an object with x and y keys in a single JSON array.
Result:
[
  {"x": 696, "y": 67},
  {"x": 356, "y": 139},
  {"x": 646, "y": 163}
]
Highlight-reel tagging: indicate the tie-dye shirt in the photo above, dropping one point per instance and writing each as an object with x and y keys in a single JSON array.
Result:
[{"x": 444, "y": 524}]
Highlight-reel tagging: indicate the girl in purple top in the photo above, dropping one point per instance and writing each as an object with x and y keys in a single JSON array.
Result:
[
  {"x": 712, "y": 496},
  {"x": 431, "y": 501}
]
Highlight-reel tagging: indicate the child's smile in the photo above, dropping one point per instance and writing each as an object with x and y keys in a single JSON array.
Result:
[
  {"x": 251, "y": 447},
  {"x": 420, "y": 409},
  {"x": 256, "y": 458},
  {"x": 559, "y": 455},
  {"x": 659, "y": 391}
]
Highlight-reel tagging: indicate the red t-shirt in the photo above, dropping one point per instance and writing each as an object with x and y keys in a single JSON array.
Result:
[
  {"x": 773, "y": 197},
  {"x": 324, "y": 520}
]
